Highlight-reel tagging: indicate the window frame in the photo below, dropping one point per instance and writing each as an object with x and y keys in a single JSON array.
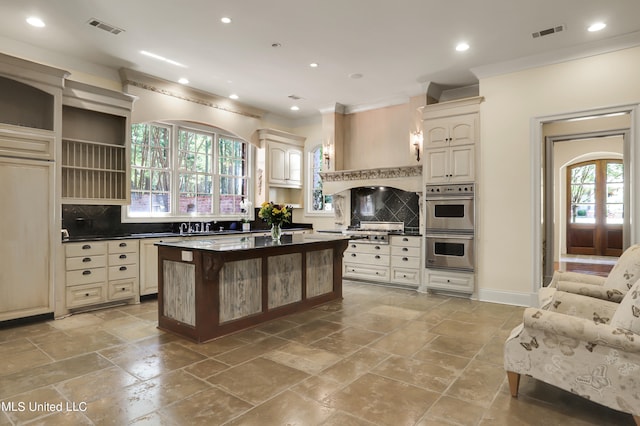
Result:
[
  {"x": 174, "y": 215},
  {"x": 309, "y": 178}
]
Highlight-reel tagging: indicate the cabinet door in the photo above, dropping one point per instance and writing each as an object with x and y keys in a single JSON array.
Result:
[
  {"x": 436, "y": 166},
  {"x": 294, "y": 169},
  {"x": 277, "y": 164},
  {"x": 26, "y": 246},
  {"x": 436, "y": 135},
  {"x": 148, "y": 267},
  {"x": 462, "y": 160},
  {"x": 462, "y": 130}
]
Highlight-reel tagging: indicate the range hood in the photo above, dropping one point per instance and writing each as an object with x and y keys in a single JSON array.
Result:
[{"x": 406, "y": 178}]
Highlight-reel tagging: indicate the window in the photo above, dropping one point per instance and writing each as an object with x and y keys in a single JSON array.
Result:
[
  {"x": 318, "y": 201},
  {"x": 597, "y": 192},
  {"x": 179, "y": 171}
]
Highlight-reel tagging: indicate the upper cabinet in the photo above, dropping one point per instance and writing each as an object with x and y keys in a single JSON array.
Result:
[
  {"x": 95, "y": 145},
  {"x": 451, "y": 135},
  {"x": 279, "y": 168}
]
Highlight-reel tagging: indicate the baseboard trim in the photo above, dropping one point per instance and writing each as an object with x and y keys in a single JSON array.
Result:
[{"x": 507, "y": 297}]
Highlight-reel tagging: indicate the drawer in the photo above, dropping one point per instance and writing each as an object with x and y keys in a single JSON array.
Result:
[
  {"x": 399, "y": 240},
  {"x": 405, "y": 262},
  {"x": 450, "y": 281},
  {"x": 123, "y": 259},
  {"x": 86, "y": 276},
  {"x": 123, "y": 246},
  {"x": 85, "y": 249},
  {"x": 405, "y": 276},
  {"x": 122, "y": 272},
  {"x": 82, "y": 295},
  {"x": 368, "y": 248},
  {"x": 366, "y": 272},
  {"x": 85, "y": 262},
  {"x": 368, "y": 258},
  {"x": 405, "y": 251},
  {"x": 122, "y": 289}
]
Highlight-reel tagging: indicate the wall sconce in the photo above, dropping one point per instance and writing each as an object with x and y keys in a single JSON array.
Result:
[
  {"x": 326, "y": 153},
  {"x": 416, "y": 141}
]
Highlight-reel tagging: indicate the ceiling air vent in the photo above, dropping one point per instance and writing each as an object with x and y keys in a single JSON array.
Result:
[
  {"x": 548, "y": 31},
  {"x": 294, "y": 97},
  {"x": 104, "y": 26}
]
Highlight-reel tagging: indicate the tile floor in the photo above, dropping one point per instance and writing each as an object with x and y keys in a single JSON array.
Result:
[{"x": 380, "y": 356}]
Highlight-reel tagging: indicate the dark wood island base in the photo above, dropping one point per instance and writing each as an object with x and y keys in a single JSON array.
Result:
[{"x": 211, "y": 288}]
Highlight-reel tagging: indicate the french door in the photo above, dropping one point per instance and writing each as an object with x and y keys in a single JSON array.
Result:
[{"x": 595, "y": 207}]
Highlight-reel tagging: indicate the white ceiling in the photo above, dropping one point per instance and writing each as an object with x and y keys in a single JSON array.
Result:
[{"x": 398, "y": 46}]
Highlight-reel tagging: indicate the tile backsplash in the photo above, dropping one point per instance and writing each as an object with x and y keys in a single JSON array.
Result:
[{"x": 384, "y": 204}]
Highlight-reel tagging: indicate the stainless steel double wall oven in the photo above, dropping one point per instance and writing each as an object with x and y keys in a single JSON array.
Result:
[{"x": 450, "y": 226}]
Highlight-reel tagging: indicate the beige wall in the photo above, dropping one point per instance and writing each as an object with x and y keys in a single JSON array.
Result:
[{"x": 505, "y": 175}]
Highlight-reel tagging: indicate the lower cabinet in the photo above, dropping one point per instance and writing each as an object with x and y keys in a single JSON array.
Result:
[
  {"x": 149, "y": 265},
  {"x": 448, "y": 281},
  {"x": 395, "y": 263},
  {"x": 100, "y": 272}
]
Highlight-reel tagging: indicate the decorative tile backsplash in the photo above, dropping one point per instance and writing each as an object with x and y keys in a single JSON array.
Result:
[{"x": 384, "y": 204}]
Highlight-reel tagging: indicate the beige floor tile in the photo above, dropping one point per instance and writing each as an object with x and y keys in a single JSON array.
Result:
[
  {"x": 355, "y": 365},
  {"x": 493, "y": 351},
  {"x": 96, "y": 384},
  {"x": 25, "y": 331},
  {"x": 317, "y": 387},
  {"x": 404, "y": 341},
  {"x": 214, "y": 347},
  {"x": 288, "y": 408},
  {"x": 251, "y": 350},
  {"x": 306, "y": 358},
  {"x": 478, "y": 384},
  {"x": 84, "y": 320},
  {"x": 343, "y": 419},
  {"x": 209, "y": 407},
  {"x": 376, "y": 323},
  {"x": 451, "y": 362},
  {"x": 337, "y": 345},
  {"x": 383, "y": 401},
  {"x": 455, "y": 411},
  {"x": 36, "y": 403},
  {"x": 416, "y": 372},
  {"x": 152, "y": 419},
  {"x": 465, "y": 330},
  {"x": 75, "y": 342},
  {"x": 357, "y": 336},
  {"x": 396, "y": 312},
  {"x": 63, "y": 418},
  {"x": 206, "y": 368},
  {"x": 20, "y": 354},
  {"x": 257, "y": 380},
  {"x": 311, "y": 331},
  {"x": 455, "y": 346}
]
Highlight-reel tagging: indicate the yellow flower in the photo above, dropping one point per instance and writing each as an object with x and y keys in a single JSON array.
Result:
[
  {"x": 276, "y": 210},
  {"x": 265, "y": 204}
]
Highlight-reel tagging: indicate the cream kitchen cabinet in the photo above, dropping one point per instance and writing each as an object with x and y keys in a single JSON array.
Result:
[
  {"x": 405, "y": 259},
  {"x": 98, "y": 272},
  {"x": 450, "y": 165},
  {"x": 448, "y": 281},
  {"x": 451, "y": 140},
  {"x": 286, "y": 165},
  {"x": 367, "y": 261}
]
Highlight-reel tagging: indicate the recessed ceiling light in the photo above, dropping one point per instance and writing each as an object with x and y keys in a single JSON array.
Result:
[
  {"x": 225, "y": 20},
  {"x": 597, "y": 26},
  {"x": 461, "y": 47},
  {"x": 162, "y": 58},
  {"x": 35, "y": 21},
  {"x": 183, "y": 81},
  {"x": 294, "y": 108},
  {"x": 313, "y": 65},
  {"x": 233, "y": 96}
]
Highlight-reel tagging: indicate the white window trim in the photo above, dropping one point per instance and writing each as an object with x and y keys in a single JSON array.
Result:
[{"x": 169, "y": 217}]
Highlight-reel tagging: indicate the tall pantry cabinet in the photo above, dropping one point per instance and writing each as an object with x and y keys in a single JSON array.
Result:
[{"x": 30, "y": 130}]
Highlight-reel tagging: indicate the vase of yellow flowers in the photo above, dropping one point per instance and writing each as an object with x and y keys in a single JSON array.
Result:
[{"x": 275, "y": 215}]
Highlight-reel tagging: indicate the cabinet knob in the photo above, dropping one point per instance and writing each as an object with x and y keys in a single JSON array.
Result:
[
  {"x": 86, "y": 295},
  {"x": 124, "y": 289}
]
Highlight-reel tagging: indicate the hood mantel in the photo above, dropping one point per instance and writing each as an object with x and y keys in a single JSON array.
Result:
[{"x": 406, "y": 178}]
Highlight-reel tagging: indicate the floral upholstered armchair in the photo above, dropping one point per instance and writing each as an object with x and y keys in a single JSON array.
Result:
[
  {"x": 613, "y": 288},
  {"x": 585, "y": 345}
]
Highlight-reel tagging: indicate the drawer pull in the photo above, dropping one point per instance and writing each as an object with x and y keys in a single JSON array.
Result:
[
  {"x": 123, "y": 268},
  {"x": 353, "y": 246},
  {"x": 86, "y": 295},
  {"x": 123, "y": 256},
  {"x": 86, "y": 272},
  {"x": 377, "y": 247},
  {"x": 377, "y": 256},
  {"x": 405, "y": 259},
  {"x": 377, "y": 273},
  {"x": 404, "y": 276},
  {"x": 123, "y": 244},
  {"x": 124, "y": 289},
  {"x": 353, "y": 255},
  {"x": 86, "y": 247},
  {"x": 405, "y": 239},
  {"x": 86, "y": 259},
  {"x": 405, "y": 249}
]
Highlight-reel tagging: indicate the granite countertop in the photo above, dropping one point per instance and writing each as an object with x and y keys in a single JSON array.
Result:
[
  {"x": 172, "y": 235},
  {"x": 250, "y": 243}
]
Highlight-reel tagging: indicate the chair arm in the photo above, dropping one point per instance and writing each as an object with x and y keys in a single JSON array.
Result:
[
  {"x": 591, "y": 290},
  {"x": 581, "y": 329},
  {"x": 575, "y": 277}
]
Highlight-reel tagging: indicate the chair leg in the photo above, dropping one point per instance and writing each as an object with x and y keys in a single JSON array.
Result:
[
  {"x": 514, "y": 383},
  {"x": 637, "y": 419}
]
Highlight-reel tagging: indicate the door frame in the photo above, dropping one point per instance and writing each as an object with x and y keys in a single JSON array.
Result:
[{"x": 539, "y": 197}]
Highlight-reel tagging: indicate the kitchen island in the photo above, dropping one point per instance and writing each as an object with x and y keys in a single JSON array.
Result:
[{"x": 209, "y": 288}]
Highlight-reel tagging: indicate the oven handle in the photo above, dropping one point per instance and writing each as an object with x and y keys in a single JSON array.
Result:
[
  {"x": 452, "y": 236},
  {"x": 451, "y": 197}
]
